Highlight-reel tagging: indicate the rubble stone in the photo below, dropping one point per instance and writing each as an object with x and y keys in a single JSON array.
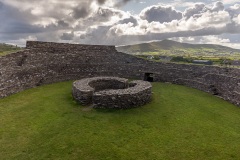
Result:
[{"x": 46, "y": 62}]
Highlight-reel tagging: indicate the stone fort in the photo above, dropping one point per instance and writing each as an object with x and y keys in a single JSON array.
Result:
[{"x": 46, "y": 62}]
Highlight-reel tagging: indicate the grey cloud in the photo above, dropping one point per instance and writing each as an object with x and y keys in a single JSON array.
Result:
[
  {"x": 111, "y": 35},
  {"x": 118, "y": 3},
  {"x": 130, "y": 19},
  {"x": 101, "y": 1},
  {"x": 89, "y": 26},
  {"x": 160, "y": 14},
  {"x": 201, "y": 8},
  {"x": 1, "y": 5},
  {"x": 104, "y": 14},
  {"x": 55, "y": 27},
  {"x": 121, "y": 3},
  {"x": 82, "y": 36},
  {"x": 17, "y": 21},
  {"x": 98, "y": 36},
  {"x": 11, "y": 37},
  {"x": 62, "y": 23},
  {"x": 11, "y": 14},
  {"x": 82, "y": 10},
  {"x": 48, "y": 36},
  {"x": 234, "y": 11},
  {"x": 197, "y": 9},
  {"x": 160, "y": 36},
  {"x": 19, "y": 27},
  {"x": 67, "y": 36},
  {"x": 59, "y": 25},
  {"x": 218, "y": 6}
]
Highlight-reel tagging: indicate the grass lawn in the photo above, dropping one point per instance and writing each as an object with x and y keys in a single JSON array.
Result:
[{"x": 180, "y": 123}]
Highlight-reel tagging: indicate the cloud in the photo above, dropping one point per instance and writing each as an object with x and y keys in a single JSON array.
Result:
[
  {"x": 121, "y": 3},
  {"x": 207, "y": 20},
  {"x": 234, "y": 10},
  {"x": 101, "y": 1},
  {"x": 67, "y": 36},
  {"x": 218, "y": 6},
  {"x": 102, "y": 22},
  {"x": 104, "y": 14},
  {"x": 82, "y": 10},
  {"x": 197, "y": 9},
  {"x": 1, "y": 5},
  {"x": 160, "y": 14},
  {"x": 237, "y": 20},
  {"x": 116, "y": 3},
  {"x": 229, "y": 1},
  {"x": 62, "y": 23},
  {"x": 212, "y": 39},
  {"x": 16, "y": 21}
]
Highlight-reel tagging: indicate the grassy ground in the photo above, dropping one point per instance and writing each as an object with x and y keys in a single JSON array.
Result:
[
  {"x": 3, "y": 53},
  {"x": 180, "y": 123},
  {"x": 7, "y": 49}
]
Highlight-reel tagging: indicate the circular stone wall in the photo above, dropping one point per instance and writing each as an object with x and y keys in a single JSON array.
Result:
[{"x": 111, "y": 92}]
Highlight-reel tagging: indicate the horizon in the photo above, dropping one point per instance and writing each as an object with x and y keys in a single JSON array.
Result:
[
  {"x": 121, "y": 45},
  {"x": 121, "y": 22}
]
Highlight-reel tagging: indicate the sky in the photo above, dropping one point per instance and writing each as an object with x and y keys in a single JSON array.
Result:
[{"x": 120, "y": 22}]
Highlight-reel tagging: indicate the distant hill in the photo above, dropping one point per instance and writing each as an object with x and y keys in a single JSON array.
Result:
[
  {"x": 169, "y": 47},
  {"x": 7, "y": 48}
]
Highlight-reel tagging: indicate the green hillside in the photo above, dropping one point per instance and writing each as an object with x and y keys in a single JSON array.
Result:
[
  {"x": 179, "y": 123},
  {"x": 6, "y": 48},
  {"x": 173, "y": 48}
]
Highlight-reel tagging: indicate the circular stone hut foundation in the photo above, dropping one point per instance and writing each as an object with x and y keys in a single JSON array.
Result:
[{"x": 111, "y": 92}]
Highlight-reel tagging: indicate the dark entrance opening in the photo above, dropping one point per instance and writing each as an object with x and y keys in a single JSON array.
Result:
[
  {"x": 214, "y": 90},
  {"x": 148, "y": 77}
]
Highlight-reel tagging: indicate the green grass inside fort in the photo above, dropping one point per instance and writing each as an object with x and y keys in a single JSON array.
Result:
[{"x": 180, "y": 123}]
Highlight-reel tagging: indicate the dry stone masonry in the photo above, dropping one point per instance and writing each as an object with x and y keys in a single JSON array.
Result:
[
  {"x": 45, "y": 62},
  {"x": 112, "y": 92},
  {"x": 83, "y": 89}
]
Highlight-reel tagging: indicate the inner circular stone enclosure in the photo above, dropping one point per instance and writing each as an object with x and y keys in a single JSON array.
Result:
[{"x": 112, "y": 92}]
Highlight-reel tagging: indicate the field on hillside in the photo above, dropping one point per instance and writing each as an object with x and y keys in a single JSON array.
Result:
[
  {"x": 173, "y": 48},
  {"x": 179, "y": 123},
  {"x": 219, "y": 55},
  {"x": 6, "y": 49},
  {"x": 196, "y": 53}
]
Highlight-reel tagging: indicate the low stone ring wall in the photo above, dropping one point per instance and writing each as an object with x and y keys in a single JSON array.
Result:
[{"x": 111, "y": 92}]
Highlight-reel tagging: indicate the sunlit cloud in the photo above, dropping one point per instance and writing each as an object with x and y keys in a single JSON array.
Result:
[{"x": 104, "y": 21}]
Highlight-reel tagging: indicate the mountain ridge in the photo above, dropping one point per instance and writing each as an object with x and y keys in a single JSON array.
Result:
[{"x": 169, "y": 45}]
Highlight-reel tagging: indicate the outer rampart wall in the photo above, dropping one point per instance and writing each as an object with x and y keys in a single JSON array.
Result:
[{"x": 45, "y": 62}]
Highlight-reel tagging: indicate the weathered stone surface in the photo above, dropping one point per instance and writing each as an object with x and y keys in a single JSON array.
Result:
[
  {"x": 112, "y": 92},
  {"x": 83, "y": 89},
  {"x": 45, "y": 62}
]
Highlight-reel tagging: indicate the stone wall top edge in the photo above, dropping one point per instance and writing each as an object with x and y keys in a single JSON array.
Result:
[{"x": 41, "y": 44}]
